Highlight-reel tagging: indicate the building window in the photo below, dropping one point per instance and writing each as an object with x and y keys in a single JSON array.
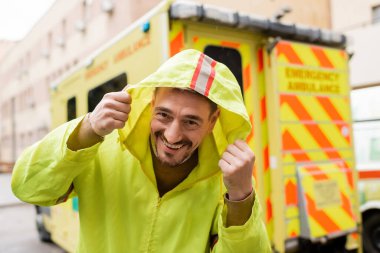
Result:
[
  {"x": 71, "y": 108},
  {"x": 48, "y": 46},
  {"x": 376, "y": 14},
  {"x": 62, "y": 37}
]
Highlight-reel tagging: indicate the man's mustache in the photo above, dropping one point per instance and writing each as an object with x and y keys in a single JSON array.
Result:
[{"x": 160, "y": 134}]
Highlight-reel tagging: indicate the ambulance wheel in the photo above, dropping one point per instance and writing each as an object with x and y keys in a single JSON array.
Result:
[
  {"x": 43, "y": 234},
  {"x": 371, "y": 234},
  {"x": 336, "y": 245}
]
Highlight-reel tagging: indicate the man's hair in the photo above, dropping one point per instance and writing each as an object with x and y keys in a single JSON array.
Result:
[{"x": 213, "y": 106}]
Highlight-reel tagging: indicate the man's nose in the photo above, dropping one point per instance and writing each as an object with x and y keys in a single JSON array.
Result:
[{"x": 173, "y": 132}]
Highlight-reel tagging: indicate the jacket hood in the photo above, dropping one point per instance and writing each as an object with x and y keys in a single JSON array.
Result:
[{"x": 194, "y": 70}]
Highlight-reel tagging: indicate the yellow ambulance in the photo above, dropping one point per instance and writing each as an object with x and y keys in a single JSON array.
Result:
[{"x": 295, "y": 85}]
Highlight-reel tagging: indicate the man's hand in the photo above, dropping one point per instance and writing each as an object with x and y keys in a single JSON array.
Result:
[
  {"x": 111, "y": 113},
  {"x": 237, "y": 165}
]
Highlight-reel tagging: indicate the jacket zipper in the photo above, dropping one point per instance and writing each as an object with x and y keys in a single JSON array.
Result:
[{"x": 155, "y": 214}]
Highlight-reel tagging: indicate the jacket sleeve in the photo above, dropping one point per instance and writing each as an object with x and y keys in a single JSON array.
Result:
[
  {"x": 44, "y": 172},
  {"x": 251, "y": 237}
]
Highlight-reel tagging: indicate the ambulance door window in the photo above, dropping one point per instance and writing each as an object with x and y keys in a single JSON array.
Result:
[
  {"x": 229, "y": 57},
  {"x": 95, "y": 95},
  {"x": 71, "y": 108}
]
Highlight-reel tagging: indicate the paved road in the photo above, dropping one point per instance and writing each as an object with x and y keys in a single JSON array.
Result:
[
  {"x": 18, "y": 232},
  {"x": 6, "y": 195}
]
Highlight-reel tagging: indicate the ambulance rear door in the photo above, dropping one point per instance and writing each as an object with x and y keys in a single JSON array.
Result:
[{"x": 311, "y": 151}]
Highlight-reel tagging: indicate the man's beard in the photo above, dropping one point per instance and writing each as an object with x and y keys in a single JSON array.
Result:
[{"x": 153, "y": 146}]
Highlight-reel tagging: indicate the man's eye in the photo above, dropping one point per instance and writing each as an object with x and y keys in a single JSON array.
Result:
[
  {"x": 162, "y": 115},
  {"x": 191, "y": 123}
]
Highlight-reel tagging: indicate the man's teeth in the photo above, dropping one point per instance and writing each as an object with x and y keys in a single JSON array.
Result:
[{"x": 173, "y": 146}]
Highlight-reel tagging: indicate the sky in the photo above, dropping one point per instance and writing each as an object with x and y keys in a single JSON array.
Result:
[{"x": 17, "y": 17}]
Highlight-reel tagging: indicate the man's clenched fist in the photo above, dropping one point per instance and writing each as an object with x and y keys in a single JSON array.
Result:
[
  {"x": 111, "y": 113},
  {"x": 237, "y": 165}
]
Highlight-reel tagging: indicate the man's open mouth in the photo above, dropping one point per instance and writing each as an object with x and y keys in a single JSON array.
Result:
[{"x": 172, "y": 146}]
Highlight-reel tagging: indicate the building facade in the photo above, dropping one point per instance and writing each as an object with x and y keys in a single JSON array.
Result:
[
  {"x": 69, "y": 32},
  {"x": 360, "y": 21}
]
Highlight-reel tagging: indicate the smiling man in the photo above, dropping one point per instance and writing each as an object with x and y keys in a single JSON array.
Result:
[
  {"x": 176, "y": 176},
  {"x": 181, "y": 119}
]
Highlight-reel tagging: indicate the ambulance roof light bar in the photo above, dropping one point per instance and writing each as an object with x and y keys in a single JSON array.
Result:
[
  {"x": 186, "y": 10},
  {"x": 216, "y": 15}
]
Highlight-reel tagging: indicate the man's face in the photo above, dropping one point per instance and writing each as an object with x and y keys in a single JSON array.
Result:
[{"x": 179, "y": 123}]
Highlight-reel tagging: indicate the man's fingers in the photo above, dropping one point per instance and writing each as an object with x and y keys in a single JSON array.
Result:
[
  {"x": 120, "y": 96},
  {"x": 240, "y": 148},
  {"x": 238, "y": 154},
  {"x": 234, "y": 150},
  {"x": 118, "y": 124},
  {"x": 116, "y": 115},
  {"x": 236, "y": 164},
  {"x": 228, "y": 157},
  {"x": 111, "y": 113},
  {"x": 118, "y": 106},
  {"x": 108, "y": 125},
  {"x": 224, "y": 166},
  {"x": 242, "y": 145}
]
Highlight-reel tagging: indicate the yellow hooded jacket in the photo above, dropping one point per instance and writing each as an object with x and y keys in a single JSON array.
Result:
[{"x": 119, "y": 204}]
